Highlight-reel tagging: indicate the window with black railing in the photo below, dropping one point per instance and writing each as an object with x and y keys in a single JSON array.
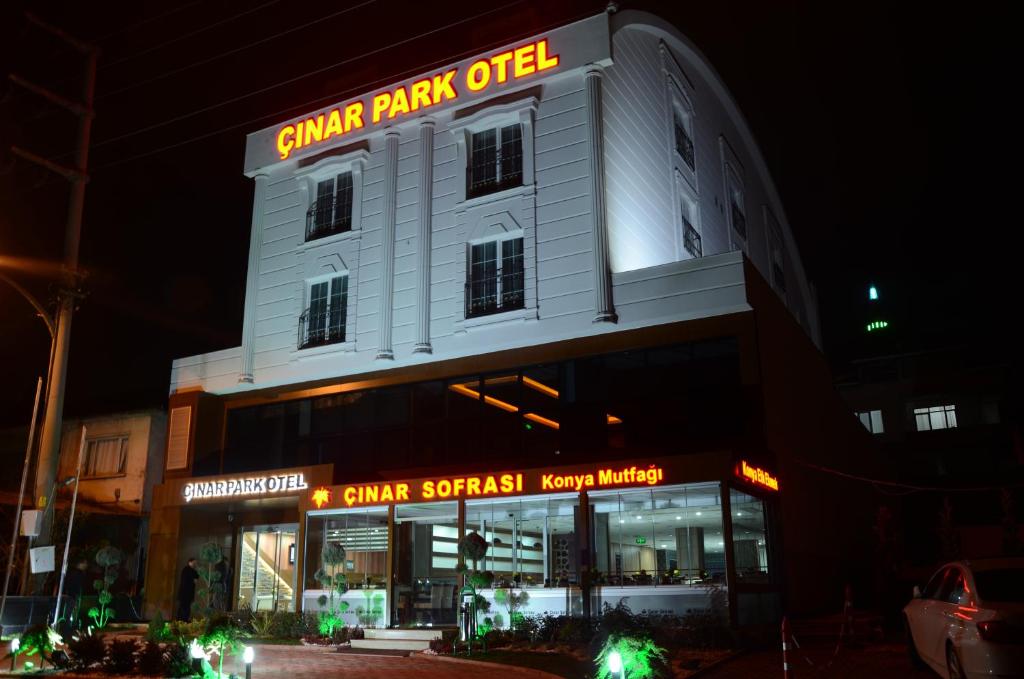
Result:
[
  {"x": 739, "y": 220},
  {"x": 331, "y": 210},
  {"x": 495, "y": 160},
  {"x": 691, "y": 239},
  {"x": 684, "y": 143},
  {"x": 324, "y": 321},
  {"x": 495, "y": 282}
]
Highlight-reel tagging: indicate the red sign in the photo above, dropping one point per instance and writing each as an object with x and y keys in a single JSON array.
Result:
[{"x": 757, "y": 476}]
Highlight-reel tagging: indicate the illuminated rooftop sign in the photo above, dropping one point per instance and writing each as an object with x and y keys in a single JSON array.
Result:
[
  {"x": 488, "y": 485},
  {"x": 463, "y": 83},
  {"x": 756, "y": 476},
  {"x": 273, "y": 484},
  {"x": 399, "y": 102}
]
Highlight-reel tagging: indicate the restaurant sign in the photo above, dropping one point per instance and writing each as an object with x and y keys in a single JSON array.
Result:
[
  {"x": 756, "y": 476},
  {"x": 271, "y": 484},
  {"x": 487, "y": 485}
]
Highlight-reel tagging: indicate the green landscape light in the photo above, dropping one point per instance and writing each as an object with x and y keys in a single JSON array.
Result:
[
  {"x": 615, "y": 664},
  {"x": 877, "y": 325},
  {"x": 872, "y": 293}
]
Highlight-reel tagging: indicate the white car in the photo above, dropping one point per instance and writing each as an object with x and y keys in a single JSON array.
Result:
[{"x": 969, "y": 620}]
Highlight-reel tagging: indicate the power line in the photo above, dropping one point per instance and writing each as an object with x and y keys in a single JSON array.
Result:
[
  {"x": 186, "y": 36},
  {"x": 143, "y": 22},
  {"x": 912, "y": 488},
  {"x": 262, "y": 90},
  {"x": 236, "y": 50},
  {"x": 312, "y": 103},
  {"x": 308, "y": 105}
]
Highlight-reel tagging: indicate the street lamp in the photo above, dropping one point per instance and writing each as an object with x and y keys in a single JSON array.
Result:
[
  {"x": 615, "y": 664},
  {"x": 247, "y": 658},
  {"x": 15, "y": 646}
]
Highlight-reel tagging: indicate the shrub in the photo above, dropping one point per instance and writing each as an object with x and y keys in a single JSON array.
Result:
[
  {"x": 41, "y": 639},
  {"x": 222, "y": 636},
  {"x": 641, "y": 658},
  {"x": 157, "y": 628},
  {"x": 86, "y": 650},
  {"x": 177, "y": 661},
  {"x": 261, "y": 624},
  {"x": 151, "y": 659},
  {"x": 446, "y": 644},
  {"x": 121, "y": 656},
  {"x": 108, "y": 559}
]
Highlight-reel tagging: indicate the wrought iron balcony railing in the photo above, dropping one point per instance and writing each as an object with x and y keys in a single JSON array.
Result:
[
  {"x": 691, "y": 240},
  {"x": 328, "y": 215},
  {"x": 322, "y": 327},
  {"x": 483, "y": 296}
]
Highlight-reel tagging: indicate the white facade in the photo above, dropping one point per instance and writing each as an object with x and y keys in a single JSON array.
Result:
[{"x": 600, "y": 209}]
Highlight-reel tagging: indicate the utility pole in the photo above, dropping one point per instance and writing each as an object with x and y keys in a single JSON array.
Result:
[{"x": 49, "y": 443}]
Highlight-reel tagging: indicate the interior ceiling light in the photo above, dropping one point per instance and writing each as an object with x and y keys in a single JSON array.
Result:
[
  {"x": 553, "y": 393},
  {"x": 508, "y": 407}
]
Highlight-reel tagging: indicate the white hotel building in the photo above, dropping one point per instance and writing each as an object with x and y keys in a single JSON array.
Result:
[{"x": 558, "y": 257}]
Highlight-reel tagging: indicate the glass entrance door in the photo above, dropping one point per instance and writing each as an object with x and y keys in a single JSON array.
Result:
[
  {"x": 266, "y": 568},
  {"x": 424, "y": 590}
]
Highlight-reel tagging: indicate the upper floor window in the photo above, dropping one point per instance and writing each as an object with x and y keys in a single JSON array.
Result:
[
  {"x": 691, "y": 236},
  {"x": 734, "y": 198},
  {"x": 331, "y": 210},
  {"x": 737, "y": 215},
  {"x": 324, "y": 321},
  {"x": 935, "y": 417},
  {"x": 495, "y": 281},
  {"x": 105, "y": 457},
  {"x": 495, "y": 160},
  {"x": 872, "y": 421},
  {"x": 684, "y": 138}
]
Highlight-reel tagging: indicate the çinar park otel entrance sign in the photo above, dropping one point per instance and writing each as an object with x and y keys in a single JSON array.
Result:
[{"x": 514, "y": 66}]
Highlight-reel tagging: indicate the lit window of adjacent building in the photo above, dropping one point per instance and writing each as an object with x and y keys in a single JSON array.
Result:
[
  {"x": 495, "y": 280},
  {"x": 105, "y": 457},
  {"x": 495, "y": 160},
  {"x": 323, "y": 322},
  {"x": 331, "y": 211},
  {"x": 872, "y": 421},
  {"x": 935, "y": 417}
]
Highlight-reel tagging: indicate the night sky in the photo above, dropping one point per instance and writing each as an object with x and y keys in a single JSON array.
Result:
[{"x": 889, "y": 132}]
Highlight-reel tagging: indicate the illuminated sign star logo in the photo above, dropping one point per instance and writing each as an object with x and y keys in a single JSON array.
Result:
[{"x": 321, "y": 497}]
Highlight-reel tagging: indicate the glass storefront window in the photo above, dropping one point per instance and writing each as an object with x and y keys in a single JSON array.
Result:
[
  {"x": 364, "y": 535},
  {"x": 749, "y": 537},
  {"x": 663, "y": 536},
  {"x": 532, "y": 539},
  {"x": 425, "y": 556}
]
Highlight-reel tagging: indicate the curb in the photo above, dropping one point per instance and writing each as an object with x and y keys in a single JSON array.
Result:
[{"x": 523, "y": 671}]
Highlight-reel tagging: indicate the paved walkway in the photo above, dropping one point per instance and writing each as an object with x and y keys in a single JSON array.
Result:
[
  {"x": 291, "y": 662},
  {"x": 876, "y": 661}
]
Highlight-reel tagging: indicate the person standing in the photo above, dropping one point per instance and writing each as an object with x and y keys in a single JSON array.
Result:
[{"x": 187, "y": 590}]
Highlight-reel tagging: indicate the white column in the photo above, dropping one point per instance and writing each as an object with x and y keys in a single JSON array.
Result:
[
  {"x": 387, "y": 254},
  {"x": 603, "y": 305},
  {"x": 255, "y": 244},
  {"x": 426, "y": 205}
]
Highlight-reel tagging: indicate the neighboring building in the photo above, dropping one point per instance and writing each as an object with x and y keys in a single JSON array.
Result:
[
  {"x": 548, "y": 293},
  {"x": 948, "y": 418},
  {"x": 122, "y": 461}
]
